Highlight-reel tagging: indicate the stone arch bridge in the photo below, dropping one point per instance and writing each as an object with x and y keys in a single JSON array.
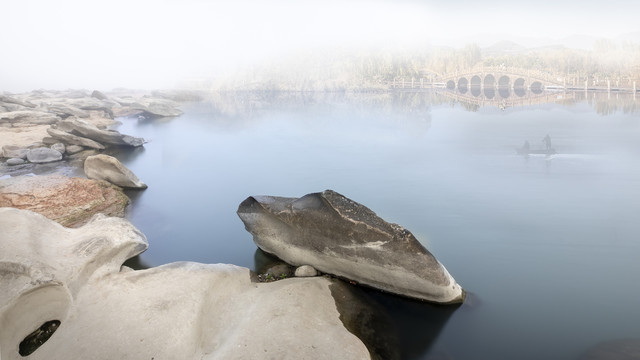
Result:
[{"x": 500, "y": 77}]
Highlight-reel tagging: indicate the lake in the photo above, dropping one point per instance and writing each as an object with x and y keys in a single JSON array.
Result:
[{"x": 546, "y": 245}]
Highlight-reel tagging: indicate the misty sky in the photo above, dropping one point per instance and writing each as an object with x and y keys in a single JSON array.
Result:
[{"x": 138, "y": 43}]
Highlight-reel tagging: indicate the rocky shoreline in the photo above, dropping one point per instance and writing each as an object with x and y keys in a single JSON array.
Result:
[
  {"x": 44, "y": 126},
  {"x": 66, "y": 273},
  {"x": 40, "y": 131}
]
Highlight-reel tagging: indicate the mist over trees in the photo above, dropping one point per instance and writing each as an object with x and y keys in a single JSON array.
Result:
[{"x": 344, "y": 69}]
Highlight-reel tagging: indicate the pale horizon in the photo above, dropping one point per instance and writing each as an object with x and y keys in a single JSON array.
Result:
[{"x": 155, "y": 44}]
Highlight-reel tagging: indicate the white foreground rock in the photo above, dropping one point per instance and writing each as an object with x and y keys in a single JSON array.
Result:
[{"x": 177, "y": 311}]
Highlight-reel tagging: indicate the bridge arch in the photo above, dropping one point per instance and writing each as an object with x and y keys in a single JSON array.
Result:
[
  {"x": 536, "y": 87},
  {"x": 489, "y": 92},
  {"x": 476, "y": 81},
  {"x": 463, "y": 82},
  {"x": 519, "y": 83},
  {"x": 504, "y": 81},
  {"x": 489, "y": 81},
  {"x": 451, "y": 85},
  {"x": 476, "y": 90}
]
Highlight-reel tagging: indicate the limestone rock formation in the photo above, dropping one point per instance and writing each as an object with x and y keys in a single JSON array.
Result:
[
  {"x": 72, "y": 149},
  {"x": 43, "y": 155},
  {"x": 72, "y": 139},
  {"x": 108, "y": 168},
  {"x": 11, "y": 151},
  {"x": 341, "y": 237},
  {"x": 14, "y": 100},
  {"x": 305, "y": 271},
  {"x": 90, "y": 131},
  {"x": 68, "y": 201},
  {"x": 15, "y": 161},
  {"x": 157, "y": 107},
  {"x": 28, "y": 117},
  {"x": 68, "y": 284},
  {"x": 59, "y": 147},
  {"x": 66, "y": 110}
]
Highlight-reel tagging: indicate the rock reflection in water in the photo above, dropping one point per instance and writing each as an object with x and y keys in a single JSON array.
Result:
[{"x": 391, "y": 327}]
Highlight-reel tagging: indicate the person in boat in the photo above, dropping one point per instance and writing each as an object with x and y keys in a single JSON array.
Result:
[
  {"x": 525, "y": 148},
  {"x": 547, "y": 142}
]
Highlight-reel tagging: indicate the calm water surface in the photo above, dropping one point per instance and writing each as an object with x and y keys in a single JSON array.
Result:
[{"x": 548, "y": 247}]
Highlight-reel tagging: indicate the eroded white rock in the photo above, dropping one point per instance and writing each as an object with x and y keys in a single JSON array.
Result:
[
  {"x": 108, "y": 168},
  {"x": 176, "y": 311}
]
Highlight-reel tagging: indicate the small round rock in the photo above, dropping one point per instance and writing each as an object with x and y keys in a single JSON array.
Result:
[
  {"x": 15, "y": 161},
  {"x": 306, "y": 271}
]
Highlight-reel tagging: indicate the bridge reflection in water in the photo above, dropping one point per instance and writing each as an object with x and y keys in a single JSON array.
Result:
[
  {"x": 503, "y": 86},
  {"x": 504, "y": 97}
]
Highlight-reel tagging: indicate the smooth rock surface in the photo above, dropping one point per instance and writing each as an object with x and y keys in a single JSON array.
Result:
[
  {"x": 10, "y": 151},
  {"x": 29, "y": 117},
  {"x": 341, "y": 237},
  {"x": 66, "y": 110},
  {"x": 59, "y": 147},
  {"x": 15, "y": 161},
  {"x": 176, "y": 311},
  {"x": 13, "y": 100},
  {"x": 102, "y": 136},
  {"x": 68, "y": 201},
  {"x": 72, "y": 149},
  {"x": 72, "y": 139},
  {"x": 43, "y": 155},
  {"x": 108, "y": 168},
  {"x": 306, "y": 271},
  {"x": 157, "y": 107}
]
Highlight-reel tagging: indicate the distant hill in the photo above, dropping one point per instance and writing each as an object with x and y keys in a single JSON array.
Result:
[{"x": 502, "y": 48}]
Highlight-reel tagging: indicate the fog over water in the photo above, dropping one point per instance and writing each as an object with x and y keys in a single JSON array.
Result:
[{"x": 151, "y": 44}]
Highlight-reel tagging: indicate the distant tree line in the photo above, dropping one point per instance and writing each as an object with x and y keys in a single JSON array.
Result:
[{"x": 371, "y": 69}]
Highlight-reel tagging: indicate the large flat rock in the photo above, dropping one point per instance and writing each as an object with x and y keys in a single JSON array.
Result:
[
  {"x": 90, "y": 131},
  {"x": 68, "y": 201},
  {"x": 72, "y": 139},
  {"x": 43, "y": 155},
  {"x": 71, "y": 283},
  {"x": 341, "y": 237}
]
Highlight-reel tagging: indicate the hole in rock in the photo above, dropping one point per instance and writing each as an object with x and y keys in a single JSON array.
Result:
[{"x": 38, "y": 337}]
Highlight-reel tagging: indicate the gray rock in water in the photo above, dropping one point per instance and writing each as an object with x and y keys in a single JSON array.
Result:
[
  {"x": 43, "y": 155},
  {"x": 73, "y": 149},
  {"x": 15, "y": 161},
  {"x": 74, "y": 139},
  {"x": 341, "y": 237},
  {"x": 102, "y": 136},
  {"x": 108, "y": 168},
  {"x": 59, "y": 147},
  {"x": 306, "y": 271},
  {"x": 12, "y": 151},
  {"x": 157, "y": 107}
]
